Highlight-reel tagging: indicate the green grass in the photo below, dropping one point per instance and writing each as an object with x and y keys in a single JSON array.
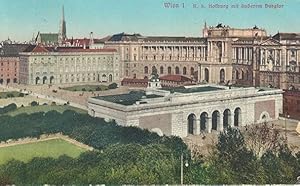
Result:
[
  {"x": 44, "y": 108},
  {"x": 4, "y": 95},
  {"x": 87, "y": 88},
  {"x": 50, "y": 148}
]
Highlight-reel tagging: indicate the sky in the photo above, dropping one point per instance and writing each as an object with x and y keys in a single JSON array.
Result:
[{"x": 21, "y": 19}]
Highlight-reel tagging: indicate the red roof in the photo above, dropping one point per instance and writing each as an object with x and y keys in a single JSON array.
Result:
[
  {"x": 176, "y": 78},
  {"x": 85, "y": 50},
  {"x": 129, "y": 80},
  {"x": 39, "y": 48}
]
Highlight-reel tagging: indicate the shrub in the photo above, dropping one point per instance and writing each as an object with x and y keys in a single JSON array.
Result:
[
  {"x": 113, "y": 86},
  {"x": 10, "y": 95},
  {"x": 98, "y": 89},
  {"x": 34, "y": 103},
  {"x": 8, "y": 108},
  {"x": 21, "y": 95},
  {"x": 45, "y": 104},
  {"x": 83, "y": 89}
]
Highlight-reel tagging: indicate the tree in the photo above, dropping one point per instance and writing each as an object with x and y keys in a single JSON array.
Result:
[
  {"x": 113, "y": 86},
  {"x": 263, "y": 138}
]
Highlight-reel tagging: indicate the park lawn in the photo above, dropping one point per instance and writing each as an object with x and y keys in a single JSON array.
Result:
[
  {"x": 4, "y": 95},
  {"x": 44, "y": 108},
  {"x": 50, "y": 148},
  {"x": 86, "y": 88}
]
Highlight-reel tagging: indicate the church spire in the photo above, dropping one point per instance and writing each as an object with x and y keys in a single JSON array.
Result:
[{"x": 62, "y": 27}]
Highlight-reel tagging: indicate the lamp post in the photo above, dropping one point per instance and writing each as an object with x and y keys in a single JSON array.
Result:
[
  {"x": 181, "y": 168},
  {"x": 285, "y": 131}
]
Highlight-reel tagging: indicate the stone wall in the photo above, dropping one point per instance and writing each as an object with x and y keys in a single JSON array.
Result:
[{"x": 161, "y": 121}]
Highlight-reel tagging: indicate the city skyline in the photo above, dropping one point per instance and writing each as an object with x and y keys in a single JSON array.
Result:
[{"x": 22, "y": 20}]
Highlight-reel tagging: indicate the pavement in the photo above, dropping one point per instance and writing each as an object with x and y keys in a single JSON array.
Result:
[{"x": 54, "y": 93}]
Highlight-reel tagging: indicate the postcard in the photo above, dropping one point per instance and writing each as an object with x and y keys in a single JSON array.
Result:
[{"x": 140, "y": 92}]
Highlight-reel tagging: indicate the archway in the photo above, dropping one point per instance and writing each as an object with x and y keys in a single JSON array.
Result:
[
  {"x": 15, "y": 80},
  {"x": 191, "y": 123},
  {"x": 215, "y": 120},
  {"x": 237, "y": 117},
  {"x": 37, "y": 80},
  {"x": 1, "y": 81},
  {"x": 222, "y": 76},
  {"x": 44, "y": 80},
  {"x": 51, "y": 80},
  {"x": 226, "y": 118},
  {"x": 8, "y": 81},
  {"x": 104, "y": 78},
  {"x": 206, "y": 75},
  {"x": 110, "y": 78},
  {"x": 176, "y": 70},
  {"x": 203, "y": 121}
]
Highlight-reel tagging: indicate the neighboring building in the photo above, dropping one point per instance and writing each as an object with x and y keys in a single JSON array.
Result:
[
  {"x": 132, "y": 82},
  {"x": 291, "y": 104},
  {"x": 49, "y": 65},
  {"x": 9, "y": 69},
  {"x": 189, "y": 110},
  {"x": 175, "y": 81},
  {"x": 279, "y": 61},
  {"x": 223, "y": 54},
  {"x": 9, "y": 62}
]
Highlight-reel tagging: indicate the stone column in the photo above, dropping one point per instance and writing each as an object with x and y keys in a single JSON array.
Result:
[
  {"x": 199, "y": 74},
  {"x": 187, "y": 52},
  {"x": 261, "y": 56},
  {"x": 172, "y": 52},
  {"x": 221, "y": 127},
  {"x": 275, "y": 56},
  {"x": 209, "y": 124},
  {"x": 232, "y": 119},
  {"x": 280, "y": 58},
  {"x": 197, "y": 132}
]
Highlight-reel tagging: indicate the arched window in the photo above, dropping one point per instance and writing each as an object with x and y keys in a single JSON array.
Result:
[
  {"x": 176, "y": 70},
  {"x": 191, "y": 124},
  {"x": 37, "y": 80},
  {"x": 44, "y": 80},
  {"x": 222, "y": 76},
  {"x": 192, "y": 71},
  {"x": 161, "y": 70},
  {"x": 146, "y": 70},
  {"x": 110, "y": 78},
  {"x": 215, "y": 120},
  {"x": 206, "y": 75},
  {"x": 237, "y": 117},
  {"x": 184, "y": 71},
  {"x": 169, "y": 70}
]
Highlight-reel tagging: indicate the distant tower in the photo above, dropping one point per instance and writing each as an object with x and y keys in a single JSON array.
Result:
[{"x": 62, "y": 28}]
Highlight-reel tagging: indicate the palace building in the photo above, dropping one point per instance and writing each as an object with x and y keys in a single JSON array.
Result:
[
  {"x": 49, "y": 65},
  {"x": 222, "y": 55}
]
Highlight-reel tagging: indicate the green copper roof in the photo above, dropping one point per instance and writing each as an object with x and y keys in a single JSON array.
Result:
[{"x": 49, "y": 37}]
